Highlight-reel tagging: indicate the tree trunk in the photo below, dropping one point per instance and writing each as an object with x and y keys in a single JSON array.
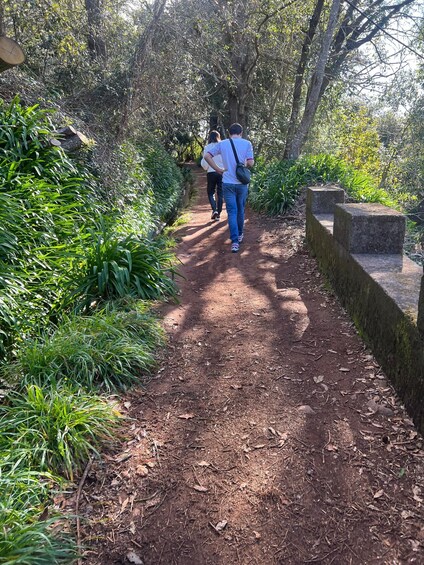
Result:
[
  {"x": 95, "y": 43},
  {"x": 2, "y": 28},
  {"x": 314, "y": 93},
  {"x": 237, "y": 108},
  {"x": 137, "y": 65},
  {"x": 300, "y": 71}
]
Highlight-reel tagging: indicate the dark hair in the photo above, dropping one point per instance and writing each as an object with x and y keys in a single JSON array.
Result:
[
  {"x": 235, "y": 129},
  {"x": 214, "y": 136}
]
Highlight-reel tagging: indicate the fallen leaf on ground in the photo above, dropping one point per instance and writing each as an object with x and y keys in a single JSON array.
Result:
[
  {"x": 331, "y": 447},
  {"x": 221, "y": 525},
  {"x": 306, "y": 409},
  {"x": 375, "y": 408},
  {"x": 134, "y": 558},
  {"x": 203, "y": 464},
  {"x": 379, "y": 493},
  {"x": 417, "y": 492},
  {"x": 142, "y": 471},
  {"x": 153, "y": 501},
  {"x": 123, "y": 457},
  {"x": 199, "y": 488},
  {"x": 124, "y": 504},
  {"x": 186, "y": 416},
  {"x": 344, "y": 370}
]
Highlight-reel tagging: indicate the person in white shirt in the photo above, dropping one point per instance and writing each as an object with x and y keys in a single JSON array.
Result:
[
  {"x": 214, "y": 179},
  {"x": 235, "y": 192}
]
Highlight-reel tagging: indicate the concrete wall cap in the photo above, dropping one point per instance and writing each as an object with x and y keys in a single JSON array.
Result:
[{"x": 368, "y": 209}]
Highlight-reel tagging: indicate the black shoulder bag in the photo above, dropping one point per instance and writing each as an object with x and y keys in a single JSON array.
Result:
[{"x": 242, "y": 172}]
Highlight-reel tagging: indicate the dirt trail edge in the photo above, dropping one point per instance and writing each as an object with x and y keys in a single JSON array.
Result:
[{"x": 269, "y": 434}]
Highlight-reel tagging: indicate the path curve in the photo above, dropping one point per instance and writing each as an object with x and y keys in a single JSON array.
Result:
[{"x": 269, "y": 435}]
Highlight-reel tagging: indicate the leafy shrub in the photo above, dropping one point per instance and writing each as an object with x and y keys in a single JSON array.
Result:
[
  {"x": 47, "y": 204},
  {"x": 108, "y": 349},
  {"x": 56, "y": 428},
  {"x": 128, "y": 186},
  {"x": 166, "y": 177},
  {"x": 276, "y": 186}
]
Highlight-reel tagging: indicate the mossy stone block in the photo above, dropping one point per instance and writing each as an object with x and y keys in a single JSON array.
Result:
[
  {"x": 369, "y": 228},
  {"x": 321, "y": 199}
]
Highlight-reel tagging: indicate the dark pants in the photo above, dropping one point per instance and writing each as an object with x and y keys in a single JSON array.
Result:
[{"x": 215, "y": 183}]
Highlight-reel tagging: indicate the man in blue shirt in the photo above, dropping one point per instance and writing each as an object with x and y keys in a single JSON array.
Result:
[{"x": 235, "y": 193}]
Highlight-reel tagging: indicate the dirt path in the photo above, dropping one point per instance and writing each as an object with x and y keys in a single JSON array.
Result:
[{"x": 269, "y": 435}]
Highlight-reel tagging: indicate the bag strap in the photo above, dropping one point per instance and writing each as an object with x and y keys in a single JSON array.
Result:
[{"x": 234, "y": 151}]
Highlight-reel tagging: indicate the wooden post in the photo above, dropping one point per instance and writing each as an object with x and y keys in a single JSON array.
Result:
[{"x": 11, "y": 54}]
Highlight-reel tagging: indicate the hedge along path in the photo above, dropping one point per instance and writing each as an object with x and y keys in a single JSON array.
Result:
[{"x": 269, "y": 434}]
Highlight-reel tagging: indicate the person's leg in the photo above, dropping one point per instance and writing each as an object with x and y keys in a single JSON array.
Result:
[
  {"x": 231, "y": 205},
  {"x": 219, "y": 194},
  {"x": 241, "y": 203},
  {"x": 211, "y": 190}
]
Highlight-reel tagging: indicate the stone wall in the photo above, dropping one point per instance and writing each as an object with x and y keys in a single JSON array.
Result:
[{"x": 359, "y": 248}]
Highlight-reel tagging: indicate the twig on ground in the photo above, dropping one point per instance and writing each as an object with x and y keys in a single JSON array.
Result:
[{"x": 79, "y": 491}]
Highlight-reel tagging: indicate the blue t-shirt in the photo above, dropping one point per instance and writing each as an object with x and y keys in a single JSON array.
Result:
[{"x": 244, "y": 151}]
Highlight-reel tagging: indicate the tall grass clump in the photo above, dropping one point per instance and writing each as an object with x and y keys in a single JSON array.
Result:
[
  {"x": 54, "y": 429},
  {"x": 276, "y": 185},
  {"x": 26, "y": 538},
  {"x": 24, "y": 542},
  {"x": 110, "y": 349},
  {"x": 116, "y": 267}
]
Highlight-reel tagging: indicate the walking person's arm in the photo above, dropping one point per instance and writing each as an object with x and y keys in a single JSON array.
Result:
[
  {"x": 209, "y": 159},
  {"x": 249, "y": 158}
]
